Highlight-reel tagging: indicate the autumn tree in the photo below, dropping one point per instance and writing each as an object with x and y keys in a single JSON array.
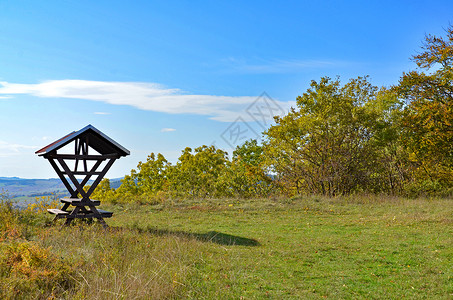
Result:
[
  {"x": 197, "y": 171},
  {"x": 327, "y": 145},
  {"x": 103, "y": 191},
  {"x": 152, "y": 175},
  {"x": 250, "y": 152},
  {"x": 246, "y": 176},
  {"x": 145, "y": 183},
  {"x": 428, "y": 116}
]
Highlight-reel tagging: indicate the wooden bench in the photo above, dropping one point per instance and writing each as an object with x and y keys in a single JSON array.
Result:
[
  {"x": 67, "y": 214},
  {"x": 58, "y": 212},
  {"x": 78, "y": 202},
  {"x": 82, "y": 209}
]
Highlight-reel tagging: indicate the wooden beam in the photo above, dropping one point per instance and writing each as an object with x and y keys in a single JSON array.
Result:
[
  {"x": 85, "y": 152},
  {"x": 62, "y": 178},
  {"x": 77, "y": 151},
  {"x": 90, "y": 173},
  {"x": 73, "y": 179},
  {"x": 81, "y": 156},
  {"x": 98, "y": 180}
]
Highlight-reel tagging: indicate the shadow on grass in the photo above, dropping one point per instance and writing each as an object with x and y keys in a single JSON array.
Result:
[{"x": 211, "y": 236}]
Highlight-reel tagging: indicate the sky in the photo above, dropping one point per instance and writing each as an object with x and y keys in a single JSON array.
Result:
[{"x": 159, "y": 76}]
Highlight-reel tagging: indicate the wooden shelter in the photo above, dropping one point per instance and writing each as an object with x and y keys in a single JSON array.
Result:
[{"x": 92, "y": 156}]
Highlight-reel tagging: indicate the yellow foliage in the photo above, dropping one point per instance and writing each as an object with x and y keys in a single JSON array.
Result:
[{"x": 42, "y": 204}]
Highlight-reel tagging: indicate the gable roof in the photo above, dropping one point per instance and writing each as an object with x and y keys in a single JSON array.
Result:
[{"x": 96, "y": 140}]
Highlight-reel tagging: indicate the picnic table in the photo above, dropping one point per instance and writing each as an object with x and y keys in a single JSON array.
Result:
[
  {"x": 74, "y": 208},
  {"x": 106, "y": 151}
]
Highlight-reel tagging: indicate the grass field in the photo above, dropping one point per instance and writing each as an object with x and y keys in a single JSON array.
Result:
[{"x": 307, "y": 247}]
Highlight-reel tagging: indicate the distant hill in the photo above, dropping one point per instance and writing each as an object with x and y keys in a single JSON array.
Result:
[
  {"x": 20, "y": 187},
  {"x": 115, "y": 183}
]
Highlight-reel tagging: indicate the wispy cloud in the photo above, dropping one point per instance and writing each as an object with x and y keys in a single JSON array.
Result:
[
  {"x": 145, "y": 96},
  {"x": 262, "y": 66},
  {"x": 167, "y": 130},
  {"x": 101, "y": 113},
  {"x": 9, "y": 149}
]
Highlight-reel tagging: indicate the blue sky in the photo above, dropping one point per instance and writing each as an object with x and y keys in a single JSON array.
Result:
[{"x": 158, "y": 76}]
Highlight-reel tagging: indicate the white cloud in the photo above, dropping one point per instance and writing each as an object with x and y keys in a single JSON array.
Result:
[
  {"x": 9, "y": 149},
  {"x": 167, "y": 130},
  {"x": 145, "y": 96},
  {"x": 102, "y": 113}
]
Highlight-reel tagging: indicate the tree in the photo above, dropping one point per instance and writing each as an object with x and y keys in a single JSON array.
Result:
[
  {"x": 196, "y": 173},
  {"x": 250, "y": 153},
  {"x": 146, "y": 183},
  {"x": 428, "y": 116},
  {"x": 328, "y": 144},
  {"x": 104, "y": 192},
  {"x": 245, "y": 176},
  {"x": 152, "y": 175}
]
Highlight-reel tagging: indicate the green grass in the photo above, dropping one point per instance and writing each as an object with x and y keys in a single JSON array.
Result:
[{"x": 315, "y": 248}]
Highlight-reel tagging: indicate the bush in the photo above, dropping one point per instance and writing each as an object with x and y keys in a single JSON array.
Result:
[{"x": 29, "y": 271}]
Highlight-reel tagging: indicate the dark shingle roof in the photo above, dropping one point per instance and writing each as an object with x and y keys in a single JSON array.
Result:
[{"x": 96, "y": 140}]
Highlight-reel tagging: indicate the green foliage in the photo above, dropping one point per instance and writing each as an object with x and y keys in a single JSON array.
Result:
[
  {"x": 250, "y": 153},
  {"x": 103, "y": 191},
  {"x": 428, "y": 114},
  {"x": 128, "y": 188},
  {"x": 146, "y": 184},
  {"x": 41, "y": 204},
  {"x": 152, "y": 175},
  {"x": 196, "y": 173},
  {"x": 245, "y": 176},
  {"x": 203, "y": 172},
  {"x": 329, "y": 145}
]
